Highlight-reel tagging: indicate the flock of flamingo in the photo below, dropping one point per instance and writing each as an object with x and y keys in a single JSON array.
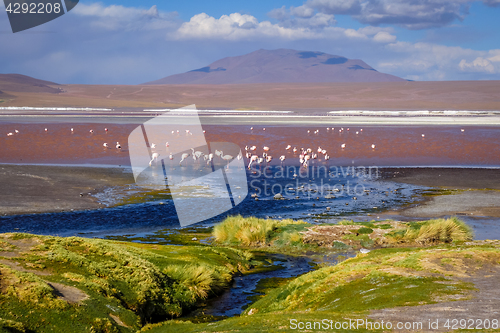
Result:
[{"x": 306, "y": 155}]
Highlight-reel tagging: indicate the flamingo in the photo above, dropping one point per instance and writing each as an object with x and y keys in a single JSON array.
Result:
[
  {"x": 288, "y": 147},
  {"x": 462, "y": 130},
  {"x": 239, "y": 157},
  {"x": 423, "y": 135},
  {"x": 204, "y": 131},
  {"x": 320, "y": 150},
  {"x": 260, "y": 160},
  {"x": 91, "y": 131},
  {"x": 323, "y": 152},
  {"x": 171, "y": 157},
  {"x": 46, "y": 129},
  {"x": 105, "y": 145},
  {"x": 342, "y": 145},
  {"x": 248, "y": 155},
  {"x": 10, "y": 134},
  {"x": 328, "y": 128},
  {"x": 306, "y": 161},
  {"x": 295, "y": 150},
  {"x": 72, "y": 130},
  {"x": 173, "y": 132},
  {"x": 361, "y": 130},
  {"x": 167, "y": 145},
  {"x": 269, "y": 159},
  {"x": 183, "y": 157},
  {"x": 154, "y": 157},
  {"x": 373, "y": 146},
  {"x": 118, "y": 146},
  {"x": 282, "y": 158},
  {"x": 246, "y": 148},
  {"x": 197, "y": 154},
  {"x": 153, "y": 145},
  {"x": 264, "y": 129},
  {"x": 251, "y": 128},
  {"x": 327, "y": 157},
  {"x": 226, "y": 157},
  {"x": 106, "y": 129},
  {"x": 357, "y": 132},
  {"x": 253, "y": 148},
  {"x": 265, "y": 148},
  {"x": 253, "y": 158},
  {"x": 17, "y": 132}
]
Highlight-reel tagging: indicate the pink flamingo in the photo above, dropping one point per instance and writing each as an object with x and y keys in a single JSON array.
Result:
[
  {"x": 154, "y": 158},
  {"x": 253, "y": 158}
]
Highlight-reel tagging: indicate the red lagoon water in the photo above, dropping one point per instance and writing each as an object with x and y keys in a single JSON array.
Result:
[{"x": 394, "y": 145}]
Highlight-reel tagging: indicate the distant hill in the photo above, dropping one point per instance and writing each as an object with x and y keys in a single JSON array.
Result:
[
  {"x": 281, "y": 66},
  {"x": 23, "y": 83}
]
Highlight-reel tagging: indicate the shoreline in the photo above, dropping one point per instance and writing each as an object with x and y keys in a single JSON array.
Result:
[
  {"x": 253, "y": 117},
  {"x": 35, "y": 189},
  {"x": 39, "y": 188}
]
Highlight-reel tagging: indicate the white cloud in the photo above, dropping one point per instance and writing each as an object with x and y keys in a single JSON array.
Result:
[
  {"x": 235, "y": 26},
  {"x": 487, "y": 63},
  {"x": 478, "y": 65},
  {"x": 238, "y": 26},
  {"x": 384, "y": 37},
  {"x": 302, "y": 11}
]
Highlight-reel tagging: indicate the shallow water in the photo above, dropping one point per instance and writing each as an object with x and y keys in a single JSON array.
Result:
[
  {"x": 309, "y": 196},
  {"x": 235, "y": 299}
]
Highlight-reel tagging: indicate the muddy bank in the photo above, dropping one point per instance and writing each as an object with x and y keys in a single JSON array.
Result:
[
  {"x": 453, "y": 178},
  {"x": 471, "y": 192},
  {"x": 26, "y": 189}
]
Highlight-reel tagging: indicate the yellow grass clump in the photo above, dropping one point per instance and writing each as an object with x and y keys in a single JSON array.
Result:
[{"x": 247, "y": 231}]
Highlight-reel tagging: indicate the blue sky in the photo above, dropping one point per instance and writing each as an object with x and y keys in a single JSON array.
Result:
[{"x": 131, "y": 42}]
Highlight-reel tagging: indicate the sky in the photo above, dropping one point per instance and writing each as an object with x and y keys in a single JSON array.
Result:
[{"x": 132, "y": 42}]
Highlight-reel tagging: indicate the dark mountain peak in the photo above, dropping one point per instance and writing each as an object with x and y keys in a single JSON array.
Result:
[{"x": 281, "y": 66}]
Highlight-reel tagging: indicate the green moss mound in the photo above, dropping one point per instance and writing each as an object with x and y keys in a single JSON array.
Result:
[{"x": 54, "y": 284}]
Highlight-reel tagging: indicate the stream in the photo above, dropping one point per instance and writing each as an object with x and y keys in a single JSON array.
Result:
[{"x": 245, "y": 288}]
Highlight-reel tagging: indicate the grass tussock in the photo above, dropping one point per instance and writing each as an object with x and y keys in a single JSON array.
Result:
[
  {"x": 255, "y": 232},
  {"x": 138, "y": 283},
  {"x": 433, "y": 232}
]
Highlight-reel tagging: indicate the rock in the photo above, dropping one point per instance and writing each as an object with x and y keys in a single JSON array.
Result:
[
  {"x": 328, "y": 208},
  {"x": 254, "y": 195},
  {"x": 329, "y": 196},
  {"x": 194, "y": 239},
  {"x": 278, "y": 196},
  {"x": 252, "y": 311}
]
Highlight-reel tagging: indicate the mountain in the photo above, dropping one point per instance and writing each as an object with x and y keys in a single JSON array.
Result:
[
  {"x": 281, "y": 66},
  {"x": 23, "y": 83}
]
